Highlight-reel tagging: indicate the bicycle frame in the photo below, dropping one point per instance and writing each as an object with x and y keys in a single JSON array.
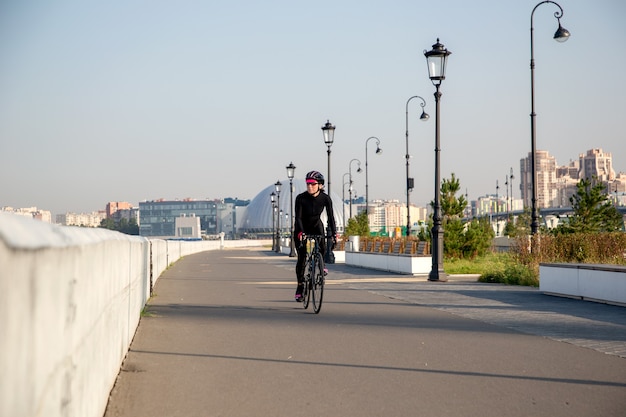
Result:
[{"x": 314, "y": 273}]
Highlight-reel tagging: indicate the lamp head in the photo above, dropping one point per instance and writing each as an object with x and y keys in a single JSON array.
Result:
[
  {"x": 436, "y": 59},
  {"x": 329, "y": 133},
  {"x": 291, "y": 169},
  {"x": 561, "y": 34}
]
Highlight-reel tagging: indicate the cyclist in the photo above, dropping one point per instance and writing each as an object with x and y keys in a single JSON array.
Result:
[{"x": 309, "y": 206}]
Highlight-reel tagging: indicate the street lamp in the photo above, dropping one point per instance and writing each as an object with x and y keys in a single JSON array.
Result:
[
  {"x": 409, "y": 181},
  {"x": 350, "y": 172},
  {"x": 511, "y": 178},
  {"x": 506, "y": 184},
  {"x": 329, "y": 137},
  {"x": 291, "y": 171},
  {"x": 560, "y": 35},
  {"x": 497, "y": 209},
  {"x": 378, "y": 152},
  {"x": 343, "y": 200},
  {"x": 277, "y": 187},
  {"x": 436, "y": 59},
  {"x": 273, "y": 200}
]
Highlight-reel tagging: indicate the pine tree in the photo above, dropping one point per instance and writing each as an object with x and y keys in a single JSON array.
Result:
[{"x": 593, "y": 211}]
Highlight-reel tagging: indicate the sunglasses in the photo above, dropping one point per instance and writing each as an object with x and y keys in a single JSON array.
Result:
[{"x": 312, "y": 183}]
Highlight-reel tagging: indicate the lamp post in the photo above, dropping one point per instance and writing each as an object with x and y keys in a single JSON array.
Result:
[
  {"x": 378, "y": 152},
  {"x": 329, "y": 137},
  {"x": 436, "y": 59},
  {"x": 511, "y": 178},
  {"x": 291, "y": 171},
  {"x": 273, "y": 200},
  {"x": 350, "y": 172},
  {"x": 409, "y": 181},
  {"x": 277, "y": 187},
  {"x": 506, "y": 184},
  {"x": 497, "y": 209},
  {"x": 560, "y": 35},
  {"x": 343, "y": 199}
]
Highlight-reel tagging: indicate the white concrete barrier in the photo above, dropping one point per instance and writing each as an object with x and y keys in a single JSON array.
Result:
[
  {"x": 398, "y": 263},
  {"x": 70, "y": 303},
  {"x": 601, "y": 283}
]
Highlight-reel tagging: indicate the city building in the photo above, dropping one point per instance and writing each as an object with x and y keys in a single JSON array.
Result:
[
  {"x": 121, "y": 210},
  {"x": 93, "y": 219},
  {"x": 157, "y": 218},
  {"x": 597, "y": 164},
  {"x": 546, "y": 179},
  {"x": 34, "y": 212},
  {"x": 113, "y": 206},
  {"x": 187, "y": 227},
  {"x": 388, "y": 217}
]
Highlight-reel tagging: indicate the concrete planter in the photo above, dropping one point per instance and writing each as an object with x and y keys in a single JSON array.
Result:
[
  {"x": 398, "y": 263},
  {"x": 601, "y": 283}
]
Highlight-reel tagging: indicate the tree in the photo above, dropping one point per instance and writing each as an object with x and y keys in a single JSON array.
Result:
[
  {"x": 451, "y": 206},
  {"x": 461, "y": 239},
  {"x": 358, "y": 225},
  {"x": 519, "y": 227},
  {"x": 593, "y": 211},
  {"x": 124, "y": 226},
  {"x": 108, "y": 223}
]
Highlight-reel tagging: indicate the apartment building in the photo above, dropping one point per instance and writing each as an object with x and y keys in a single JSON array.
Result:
[
  {"x": 34, "y": 212},
  {"x": 546, "y": 179}
]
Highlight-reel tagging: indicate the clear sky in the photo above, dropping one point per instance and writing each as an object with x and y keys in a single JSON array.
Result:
[{"x": 132, "y": 100}]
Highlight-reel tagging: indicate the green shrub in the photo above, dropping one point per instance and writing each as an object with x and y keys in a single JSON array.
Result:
[{"x": 522, "y": 268}]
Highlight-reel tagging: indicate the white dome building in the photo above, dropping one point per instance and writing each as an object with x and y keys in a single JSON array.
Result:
[{"x": 257, "y": 217}]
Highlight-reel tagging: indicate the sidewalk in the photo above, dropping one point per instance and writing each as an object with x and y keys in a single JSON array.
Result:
[{"x": 223, "y": 337}]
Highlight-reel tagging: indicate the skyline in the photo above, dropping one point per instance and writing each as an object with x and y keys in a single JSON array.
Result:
[
  {"x": 125, "y": 102},
  {"x": 502, "y": 194}
]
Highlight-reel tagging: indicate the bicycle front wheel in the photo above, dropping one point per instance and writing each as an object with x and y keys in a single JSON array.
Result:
[
  {"x": 310, "y": 272},
  {"x": 317, "y": 287}
]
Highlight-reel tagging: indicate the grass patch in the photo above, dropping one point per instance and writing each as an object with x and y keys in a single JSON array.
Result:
[
  {"x": 491, "y": 262},
  {"x": 145, "y": 312},
  {"x": 501, "y": 268}
]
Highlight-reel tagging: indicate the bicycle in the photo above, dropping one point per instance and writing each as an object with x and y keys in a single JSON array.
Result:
[{"x": 313, "y": 290}]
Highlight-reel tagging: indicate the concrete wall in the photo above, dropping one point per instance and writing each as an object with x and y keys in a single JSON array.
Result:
[
  {"x": 70, "y": 303},
  {"x": 401, "y": 264},
  {"x": 601, "y": 283}
]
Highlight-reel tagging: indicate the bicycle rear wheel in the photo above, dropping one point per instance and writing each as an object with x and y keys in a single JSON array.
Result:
[{"x": 317, "y": 287}]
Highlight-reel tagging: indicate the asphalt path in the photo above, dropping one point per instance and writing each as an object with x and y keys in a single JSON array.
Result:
[{"x": 222, "y": 336}]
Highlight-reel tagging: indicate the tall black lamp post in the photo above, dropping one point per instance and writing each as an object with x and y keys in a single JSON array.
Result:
[
  {"x": 277, "y": 187},
  {"x": 506, "y": 184},
  {"x": 378, "y": 152},
  {"x": 409, "y": 181},
  {"x": 560, "y": 35},
  {"x": 511, "y": 178},
  {"x": 350, "y": 172},
  {"x": 343, "y": 199},
  {"x": 273, "y": 200},
  {"x": 291, "y": 171},
  {"x": 436, "y": 59},
  {"x": 329, "y": 137},
  {"x": 497, "y": 209}
]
